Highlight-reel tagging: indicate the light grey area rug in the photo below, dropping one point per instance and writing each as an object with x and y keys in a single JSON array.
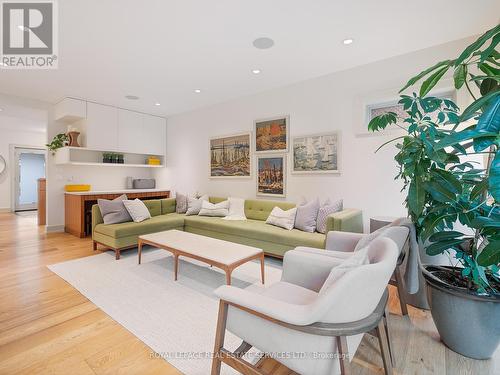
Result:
[{"x": 176, "y": 319}]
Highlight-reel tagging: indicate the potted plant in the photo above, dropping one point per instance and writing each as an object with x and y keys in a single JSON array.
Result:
[
  {"x": 106, "y": 157},
  {"x": 60, "y": 140},
  {"x": 454, "y": 201}
]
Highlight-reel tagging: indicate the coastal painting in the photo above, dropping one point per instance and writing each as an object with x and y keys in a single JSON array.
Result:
[
  {"x": 317, "y": 153},
  {"x": 230, "y": 156},
  {"x": 271, "y": 175},
  {"x": 271, "y": 135}
]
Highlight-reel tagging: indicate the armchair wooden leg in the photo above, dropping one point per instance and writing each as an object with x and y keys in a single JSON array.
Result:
[
  {"x": 401, "y": 292},
  {"x": 388, "y": 333},
  {"x": 220, "y": 333},
  {"x": 94, "y": 245},
  {"x": 345, "y": 364},
  {"x": 242, "y": 349},
  {"x": 117, "y": 254},
  {"x": 384, "y": 348}
]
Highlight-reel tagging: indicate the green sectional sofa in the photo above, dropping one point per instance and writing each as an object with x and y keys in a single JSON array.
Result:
[{"x": 253, "y": 231}]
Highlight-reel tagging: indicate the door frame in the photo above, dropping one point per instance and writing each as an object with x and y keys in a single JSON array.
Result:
[{"x": 14, "y": 170}]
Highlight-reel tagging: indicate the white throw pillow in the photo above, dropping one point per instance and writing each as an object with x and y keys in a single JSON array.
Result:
[
  {"x": 137, "y": 210},
  {"x": 236, "y": 209},
  {"x": 220, "y": 209},
  {"x": 194, "y": 205},
  {"x": 281, "y": 218},
  {"x": 358, "y": 259}
]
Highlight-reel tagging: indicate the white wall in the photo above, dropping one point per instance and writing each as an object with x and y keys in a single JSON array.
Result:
[
  {"x": 333, "y": 102},
  {"x": 11, "y": 136}
]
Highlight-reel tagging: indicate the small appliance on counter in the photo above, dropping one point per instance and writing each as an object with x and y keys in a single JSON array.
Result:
[{"x": 144, "y": 183}]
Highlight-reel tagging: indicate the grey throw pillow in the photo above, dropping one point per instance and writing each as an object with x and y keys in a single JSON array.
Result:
[
  {"x": 325, "y": 210},
  {"x": 181, "y": 203},
  {"x": 307, "y": 214},
  {"x": 194, "y": 205},
  {"x": 114, "y": 212}
]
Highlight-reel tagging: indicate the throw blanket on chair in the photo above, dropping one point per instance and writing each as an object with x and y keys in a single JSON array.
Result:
[{"x": 412, "y": 269}]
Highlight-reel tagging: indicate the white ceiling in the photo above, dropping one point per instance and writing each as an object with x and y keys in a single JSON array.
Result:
[{"x": 161, "y": 50}]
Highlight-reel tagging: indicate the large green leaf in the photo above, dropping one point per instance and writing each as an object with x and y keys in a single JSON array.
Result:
[
  {"x": 475, "y": 106},
  {"x": 446, "y": 235},
  {"x": 416, "y": 196},
  {"x": 382, "y": 121},
  {"x": 461, "y": 136},
  {"x": 477, "y": 44},
  {"x": 438, "y": 192},
  {"x": 441, "y": 246},
  {"x": 478, "y": 189},
  {"x": 488, "y": 85},
  {"x": 490, "y": 51},
  {"x": 433, "y": 79},
  {"x": 490, "y": 254},
  {"x": 459, "y": 75},
  {"x": 423, "y": 73},
  {"x": 447, "y": 180},
  {"x": 494, "y": 179},
  {"x": 490, "y": 119}
]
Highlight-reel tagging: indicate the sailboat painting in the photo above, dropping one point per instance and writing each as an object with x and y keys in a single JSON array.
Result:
[
  {"x": 230, "y": 156},
  {"x": 317, "y": 153}
]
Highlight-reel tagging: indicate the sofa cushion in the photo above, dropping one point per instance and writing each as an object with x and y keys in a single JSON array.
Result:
[
  {"x": 154, "y": 206},
  {"x": 113, "y": 211},
  {"x": 260, "y": 209},
  {"x": 257, "y": 229},
  {"x": 281, "y": 218},
  {"x": 168, "y": 205},
  {"x": 155, "y": 224}
]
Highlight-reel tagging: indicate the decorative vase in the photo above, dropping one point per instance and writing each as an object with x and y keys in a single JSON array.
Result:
[{"x": 73, "y": 139}]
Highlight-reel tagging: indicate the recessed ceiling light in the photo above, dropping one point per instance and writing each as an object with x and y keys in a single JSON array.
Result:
[
  {"x": 256, "y": 71},
  {"x": 131, "y": 97},
  {"x": 197, "y": 91},
  {"x": 263, "y": 43},
  {"x": 347, "y": 41},
  {"x": 157, "y": 104}
]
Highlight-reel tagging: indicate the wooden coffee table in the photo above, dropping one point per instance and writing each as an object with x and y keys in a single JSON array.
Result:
[{"x": 218, "y": 253}]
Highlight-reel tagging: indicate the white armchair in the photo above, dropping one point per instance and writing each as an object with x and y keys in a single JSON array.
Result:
[
  {"x": 316, "y": 310},
  {"x": 342, "y": 245}
]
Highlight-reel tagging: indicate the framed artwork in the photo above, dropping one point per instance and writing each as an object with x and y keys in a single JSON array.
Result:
[
  {"x": 271, "y": 175},
  {"x": 230, "y": 156},
  {"x": 271, "y": 135},
  {"x": 316, "y": 153}
]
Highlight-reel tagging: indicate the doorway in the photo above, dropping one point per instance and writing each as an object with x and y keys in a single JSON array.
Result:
[{"x": 29, "y": 166}]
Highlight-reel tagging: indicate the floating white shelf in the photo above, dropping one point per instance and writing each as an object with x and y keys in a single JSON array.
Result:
[
  {"x": 112, "y": 164},
  {"x": 90, "y": 157}
]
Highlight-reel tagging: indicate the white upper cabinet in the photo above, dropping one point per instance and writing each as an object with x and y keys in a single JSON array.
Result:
[
  {"x": 102, "y": 127},
  {"x": 141, "y": 133},
  {"x": 155, "y": 128},
  {"x": 70, "y": 110},
  {"x": 108, "y": 128},
  {"x": 131, "y": 136}
]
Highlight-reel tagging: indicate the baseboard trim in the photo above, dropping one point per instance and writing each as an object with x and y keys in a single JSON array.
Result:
[
  {"x": 5, "y": 210},
  {"x": 54, "y": 228}
]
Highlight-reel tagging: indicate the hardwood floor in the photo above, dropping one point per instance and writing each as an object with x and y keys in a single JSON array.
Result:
[{"x": 47, "y": 327}]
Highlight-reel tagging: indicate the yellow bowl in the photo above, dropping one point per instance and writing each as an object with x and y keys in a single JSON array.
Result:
[{"x": 73, "y": 188}]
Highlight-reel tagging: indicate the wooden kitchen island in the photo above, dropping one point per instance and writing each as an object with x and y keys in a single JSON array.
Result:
[{"x": 78, "y": 206}]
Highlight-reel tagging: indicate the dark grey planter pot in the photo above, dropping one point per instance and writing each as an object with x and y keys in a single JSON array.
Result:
[{"x": 468, "y": 324}]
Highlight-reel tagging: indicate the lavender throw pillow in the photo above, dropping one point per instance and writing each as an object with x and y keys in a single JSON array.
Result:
[
  {"x": 325, "y": 210},
  {"x": 307, "y": 214}
]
